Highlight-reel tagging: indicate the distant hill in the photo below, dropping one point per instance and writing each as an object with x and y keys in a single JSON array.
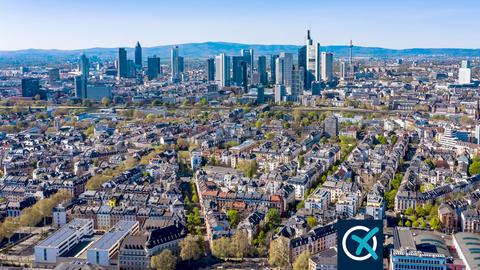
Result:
[{"x": 202, "y": 50}]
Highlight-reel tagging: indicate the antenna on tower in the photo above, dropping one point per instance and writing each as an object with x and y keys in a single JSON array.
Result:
[{"x": 351, "y": 58}]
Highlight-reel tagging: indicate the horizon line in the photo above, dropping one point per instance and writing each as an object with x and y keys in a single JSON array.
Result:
[{"x": 229, "y": 42}]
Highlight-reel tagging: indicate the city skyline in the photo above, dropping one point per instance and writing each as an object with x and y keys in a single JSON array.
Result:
[{"x": 430, "y": 24}]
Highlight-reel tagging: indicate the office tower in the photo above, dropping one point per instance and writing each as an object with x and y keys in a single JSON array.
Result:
[
  {"x": 284, "y": 68},
  {"x": 79, "y": 82},
  {"x": 53, "y": 75},
  {"x": 222, "y": 70},
  {"x": 154, "y": 68},
  {"x": 138, "y": 55},
  {"x": 122, "y": 63},
  {"x": 327, "y": 66},
  {"x": 260, "y": 94},
  {"x": 466, "y": 64},
  {"x": 249, "y": 58},
  {"x": 237, "y": 70},
  {"x": 343, "y": 70},
  {"x": 174, "y": 65},
  {"x": 297, "y": 82},
  {"x": 245, "y": 75},
  {"x": 273, "y": 59},
  {"x": 350, "y": 64},
  {"x": 465, "y": 73},
  {"x": 131, "y": 71},
  {"x": 331, "y": 126},
  {"x": 312, "y": 60},
  {"x": 210, "y": 69},
  {"x": 464, "y": 76},
  {"x": 477, "y": 133},
  {"x": 30, "y": 87},
  {"x": 84, "y": 65},
  {"x": 316, "y": 88},
  {"x": 262, "y": 69},
  {"x": 280, "y": 93},
  {"x": 181, "y": 64},
  {"x": 302, "y": 63}
]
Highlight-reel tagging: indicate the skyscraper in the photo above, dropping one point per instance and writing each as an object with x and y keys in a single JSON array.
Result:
[
  {"x": 465, "y": 73},
  {"x": 466, "y": 64},
  {"x": 30, "y": 87},
  {"x": 81, "y": 83},
  {"x": 313, "y": 60},
  {"x": 138, "y": 55},
  {"x": 327, "y": 66},
  {"x": 297, "y": 82},
  {"x": 280, "y": 93},
  {"x": 122, "y": 63},
  {"x": 343, "y": 70},
  {"x": 181, "y": 64},
  {"x": 154, "y": 68},
  {"x": 53, "y": 75},
  {"x": 210, "y": 69},
  {"x": 237, "y": 70},
  {"x": 174, "y": 65},
  {"x": 302, "y": 63},
  {"x": 262, "y": 69},
  {"x": 248, "y": 57},
  {"x": 222, "y": 70},
  {"x": 273, "y": 60},
  {"x": 284, "y": 68}
]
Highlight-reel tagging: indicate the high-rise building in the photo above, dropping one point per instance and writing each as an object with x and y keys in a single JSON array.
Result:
[
  {"x": 280, "y": 93},
  {"x": 466, "y": 64},
  {"x": 312, "y": 60},
  {"x": 262, "y": 69},
  {"x": 138, "y": 55},
  {"x": 260, "y": 94},
  {"x": 122, "y": 63},
  {"x": 79, "y": 90},
  {"x": 174, "y": 65},
  {"x": 284, "y": 68},
  {"x": 82, "y": 82},
  {"x": 297, "y": 82},
  {"x": 465, "y": 73},
  {"x": 154, "y": 68},
  {"x": 53, "y": 75},
  {"x": 84, "y": 65},
  {"x": 273, "y": 59},
  {"x": 222, "y": 70},
  {"x": 248, "y": 57},
  {"x": 181, "y": 64},
  {"x": 131, "y": 70},
  {"x": 302, "y": 63},
  {"x": 245, "y": 75},
  {"x": 237, "y": 70},
  {"x": 210, "y": 69},
  {"x": 343, "y": 70},
  {"x": 327, "y": 66},
  {"x": 316, "y": 88},
  {"x": 30, "y": 87},
  {"x": 331, "y": 126}
]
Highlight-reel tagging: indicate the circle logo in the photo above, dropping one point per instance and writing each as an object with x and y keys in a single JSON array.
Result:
[{"x": 362, "y": 243}]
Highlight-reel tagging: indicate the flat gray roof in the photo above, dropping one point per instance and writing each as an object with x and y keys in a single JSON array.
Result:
[
  {"x": 64, "y": 233},
  {"x": 117, "y": 233},
  {"x": 404, "y": 238},
  {"x": 469, "y": 244}
]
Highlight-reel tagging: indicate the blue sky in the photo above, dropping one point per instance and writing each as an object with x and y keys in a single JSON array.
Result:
[{"x": 72, "y": 24}]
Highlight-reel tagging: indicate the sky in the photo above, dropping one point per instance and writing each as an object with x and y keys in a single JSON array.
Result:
[{"x": 396, "y": 24}]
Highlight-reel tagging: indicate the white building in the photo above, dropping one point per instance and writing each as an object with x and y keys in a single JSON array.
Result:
[
  {"x": 465, "y": 76},
  {"x": 347, "y": 204},
  {"x": 62, "y": 240},
  {"x": 104, "y": 248},
  {"x": 318, "y": 200},
  {"x": 222, "y": 70},
  {"x": 375, "y": 206}
]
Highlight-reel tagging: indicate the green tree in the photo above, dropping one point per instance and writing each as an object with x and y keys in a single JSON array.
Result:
[
  {"x": 273, "y": 216},
  {"x": 164, "y": 261},
  {"x": 311, "y": 221},
  {"x": 435, "y": 223},
  {"x": 233, "y": 217},
  {"x": 105, "y": 102},
  {"x": 302, "y": 261}
]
